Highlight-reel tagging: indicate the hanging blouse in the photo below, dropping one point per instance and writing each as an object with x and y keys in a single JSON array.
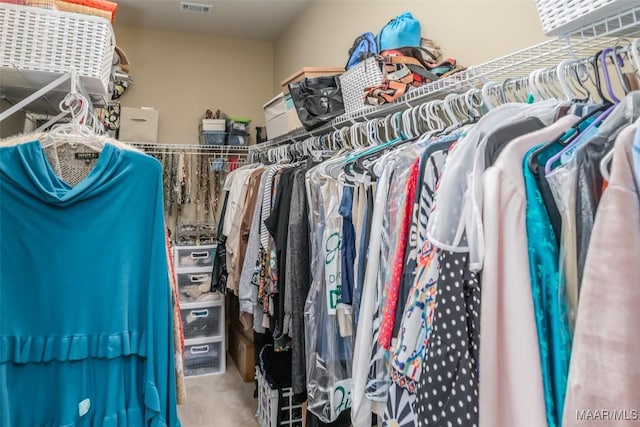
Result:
[
  {"x": 636, "y": 157},
  {"x": 393, "y": 287},
  {"x": 604, "y": 372},
  {"x": 448, "y": 221},
  {"x": 447, "y": 393},
  {"x": 90, "y": 261},
  {"x": 549, "y": 296},
  {"x": 511, "y": 390},
  {"x": 361, "y": 406}
]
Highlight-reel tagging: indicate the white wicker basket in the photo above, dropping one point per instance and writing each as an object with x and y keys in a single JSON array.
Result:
[
  {"x": 354, "y": 80},
  {"x": 291, "y": 414},
  {"x": 42, "y": 40},
  {"x": 561, "y": 17}
]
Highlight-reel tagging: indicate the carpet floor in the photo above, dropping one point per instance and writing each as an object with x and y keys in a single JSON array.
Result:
[{"x": 223, "y": 400}]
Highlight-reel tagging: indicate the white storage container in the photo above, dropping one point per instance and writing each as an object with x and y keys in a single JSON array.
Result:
[
  {"x": 293, "y": 121},
  {"x": 204, "y": 356},
  {"x": 202, "y": 319},
  {"x": 274, "y": 108},
  {"x": 194, "y": 285},
  {"x": 275, "y": 117},
  {"x": 138, "y": 124},
  {"x": 218, "y": 125},
  {"x": 194, "y": 256}
]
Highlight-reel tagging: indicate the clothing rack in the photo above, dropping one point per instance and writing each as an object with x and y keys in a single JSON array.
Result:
[
  {"x": 159, "y": 148},
  {"x": 581, "y": 43}
]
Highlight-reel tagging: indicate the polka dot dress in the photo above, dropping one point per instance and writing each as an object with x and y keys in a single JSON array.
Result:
[{"x": 447, "y": 394}]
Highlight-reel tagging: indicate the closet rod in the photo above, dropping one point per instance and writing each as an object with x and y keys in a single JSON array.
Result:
[
  {"x": 160, "y": 148},
  {"x": 584, "y": 42}
]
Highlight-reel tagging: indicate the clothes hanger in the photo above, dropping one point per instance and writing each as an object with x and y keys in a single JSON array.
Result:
[
  {"x": 77, "y": 131},
  {"x": 572, "y": 133},
  {"x": 575, "y": 139},
  {"x": 562, "y": 78},
  {"x": 618, "y": 63},
  {"x": 486, "y": 98},
  {"x": 635, "y": 55}
]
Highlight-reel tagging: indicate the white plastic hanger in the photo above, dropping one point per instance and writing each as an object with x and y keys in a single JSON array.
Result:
[
  {"x": 561, "y": 73},
  {"x": 635, "y": 55},
  {"x": 77, "y": 131}
]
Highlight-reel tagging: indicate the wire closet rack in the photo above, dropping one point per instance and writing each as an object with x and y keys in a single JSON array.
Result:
[
  {"x": 579, "y": 44},
  {"x": 220, "y": 150}
]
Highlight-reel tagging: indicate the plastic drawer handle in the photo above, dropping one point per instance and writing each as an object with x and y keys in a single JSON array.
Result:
[
  {"x": 199, "y": 313},
  {"x": 198, "y": 278},
  {"x": 199, "y": 349},
  {"x": 200, "y": 255}
]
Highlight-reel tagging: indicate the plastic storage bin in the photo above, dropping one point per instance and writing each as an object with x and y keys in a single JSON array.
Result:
[
  {"x": 234, "y": 126},
  {"x": 275, "y": 117},
  {"x": 204, "y": 356},
  {"x": 238, "y": 138},
  {"x": 202, "y": 320},
  {"x": 290, "y": 413},
  {"x": 194, "y": 256},
  {"x": 194, "y": 285},
  {"x": 212, "y": 137}
]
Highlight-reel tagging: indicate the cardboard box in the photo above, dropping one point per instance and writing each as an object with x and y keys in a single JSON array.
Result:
[
  {"x": 138, "y": 124},
  {"x": 233, "y": 309},
  {"x": 242, "y": 352},
  {"x": 309, "y": 72}
]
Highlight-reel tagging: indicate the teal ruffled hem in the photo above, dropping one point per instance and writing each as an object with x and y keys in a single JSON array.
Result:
[{"x": 69, "y": 348}]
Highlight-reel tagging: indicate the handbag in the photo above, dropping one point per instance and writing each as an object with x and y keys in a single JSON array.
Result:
[{"x": 317, "y": 100}]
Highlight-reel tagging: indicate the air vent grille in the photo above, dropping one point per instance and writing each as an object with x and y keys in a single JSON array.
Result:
[{"x": 195, "y": 7}]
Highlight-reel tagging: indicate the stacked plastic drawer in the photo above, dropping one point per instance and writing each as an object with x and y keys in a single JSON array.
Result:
[{"x": 202, "y": 311}]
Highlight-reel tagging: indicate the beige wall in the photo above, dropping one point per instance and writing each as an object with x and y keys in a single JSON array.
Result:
[
  {"x": 472, "y": 31},
  {"x": 12, "y": 125},
  {"x": 183, "y": 74}
]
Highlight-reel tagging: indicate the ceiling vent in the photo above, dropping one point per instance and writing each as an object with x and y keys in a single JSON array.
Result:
[{"x": 195, "y": 7}]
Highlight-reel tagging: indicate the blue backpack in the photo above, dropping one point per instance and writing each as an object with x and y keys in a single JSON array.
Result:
[
  {"x": 363, "y": 47},
  {"x": 402, "y": 31}
]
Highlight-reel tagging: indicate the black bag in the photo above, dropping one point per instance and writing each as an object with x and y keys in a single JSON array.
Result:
[{"x": 317, "y": 100}]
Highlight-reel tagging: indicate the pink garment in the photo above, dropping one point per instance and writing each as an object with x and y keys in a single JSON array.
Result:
[
  {"x": 393, "y": 287},
  {"x": 605, "y": 372},
  {"x": 510, "y": 388}
]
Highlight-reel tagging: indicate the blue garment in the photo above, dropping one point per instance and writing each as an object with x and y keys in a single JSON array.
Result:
[
  {"x": 549, "y": 299},
  {"x": 348, "y": 253},
  {"x": 86, "y": 335},
  {"x": 636, "y": 158}
]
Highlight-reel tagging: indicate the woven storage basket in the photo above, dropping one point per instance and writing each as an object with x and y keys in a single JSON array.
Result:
[
  {"x": 354, "y": 80},
  {"x": 35, "y": 39},
  {"x": 560, "y": 17}
]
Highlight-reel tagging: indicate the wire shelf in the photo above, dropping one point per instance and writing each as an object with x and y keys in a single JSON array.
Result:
[
  {"x": 159, "y": 148},
  {"x": 580, "y": 44}
]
